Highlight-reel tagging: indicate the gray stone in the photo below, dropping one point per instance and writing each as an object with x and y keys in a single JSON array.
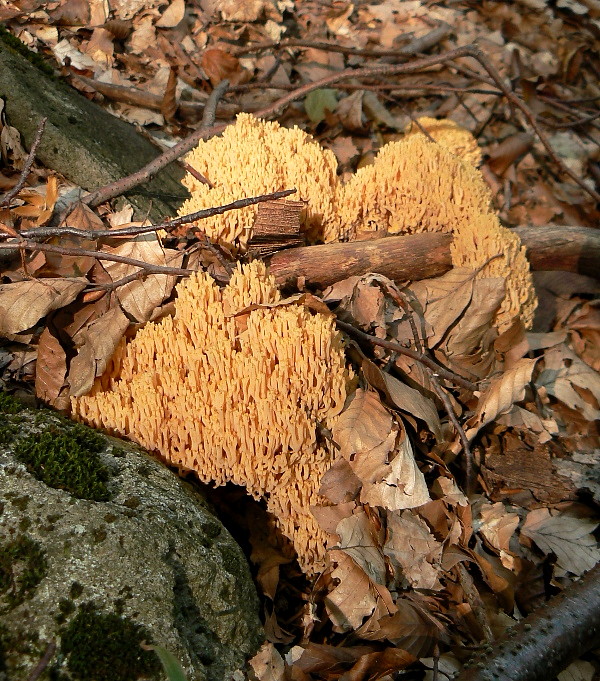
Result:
[
  {"x": 82, "y": 141},
  {"x": 102, "y": 546}
]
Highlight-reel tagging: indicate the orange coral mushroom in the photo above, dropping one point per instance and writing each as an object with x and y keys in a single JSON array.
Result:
[
  {"x": 450, "y": 135},
  {"x": 235, "y": 402},
  {"x": 416, "y": 185},
  {"x": 257, "y": 157}
]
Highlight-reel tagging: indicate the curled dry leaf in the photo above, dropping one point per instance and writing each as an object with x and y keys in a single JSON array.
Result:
[
  {"x": 357, "y": 541},
  {"x": 96, "y": 344},
  {"x": 413, "y": 551},
  {"x": 502, "y": 393},
  {"x": 219, "y": 65},
  {"x": 466, "y": 337},
  {"x": 24, "y": 303},
  {"x": 140, "y": 298},
  {"x": 380, "y": 454},
  {"x": 172, "y": 15},
  {"x": 353, "y": 598},
  {"x": 412, "y": 401},
  {"x": 267, "y": 664},
  {"x": 444, "y": 299},
  {"x": 51, "y": 370},
  {"x": 364, "y": 425},
  {"x": 402, "y": 485},
  {"x": 563, "y": 374}
]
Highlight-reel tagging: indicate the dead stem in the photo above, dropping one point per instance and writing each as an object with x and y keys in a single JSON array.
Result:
[{"x": 10, "y": 195}]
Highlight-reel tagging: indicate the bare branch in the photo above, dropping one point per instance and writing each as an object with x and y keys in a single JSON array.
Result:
[
  {"x": 45, "y": 233},
  {"x": 10, "y": 195}
]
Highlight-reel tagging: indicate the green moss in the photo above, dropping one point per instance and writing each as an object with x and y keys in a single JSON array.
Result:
[
  {"x": 76, "y": 590},
  {"x": 10, "y": 405},
  {"x": 106, "y": 647},
  {"x": 33, "y": 57},
  {"x": 66, "y": 457},
  {"x": 22, "y": 567}
]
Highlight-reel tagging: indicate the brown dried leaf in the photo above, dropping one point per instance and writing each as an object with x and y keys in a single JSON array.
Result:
[
  {"x": 380, "y": 664},
  {"x": 408, "y": 629},
  {"x": 502, "y": 393},
  {"x": 407, "y": 399},
  {"x": 96, "y": 345},
  {"x": 400, "y": 482},
  {"x": 466, "y": 337},
  {"x": 140, "y": 298},
  {"x": 24, "y": 303},
  {"x": 51, "y": 370},
  {"x": 444, "y": 299},
  {"x": 340, "y": 484},
  {"x": 568, "y": 537},
  {"x": 364, "y": 425},
  {"x": 413, "y": 551},
  {"x": 564, "y": 372},
  {"x": 498, "y": 526},
  {"x": 356, "y": 540},
  {"x": 352, "y": 599},
  {"x": 219, "y": 65},
  {"x": 349, "y": 110},
  {"x": 172, "y": 15},
  {"x": 267, "y": 664},
  {"x": 168, "y": 105}
]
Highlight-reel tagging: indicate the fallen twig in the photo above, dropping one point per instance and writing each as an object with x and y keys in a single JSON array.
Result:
[
  {"x": 416, "y": 45},
  {"x": 438, "y": 369},
  {"x": 420, "y": 256},
  {"x": 47, "y": 232},
  {"x": 36, "y": 672},
  {"x": 27, "y": 245},
  {"x": 545, "y": 642},
  {"x": 10, "y": 195},
  {"x": 210, "y": 109}
]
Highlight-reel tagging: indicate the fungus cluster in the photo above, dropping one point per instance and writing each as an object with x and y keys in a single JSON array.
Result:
[
  {"x": 256, "y": 157},
  {"x": 237, "y": 396},
  {"x": 416, "y": 185},
  {"x": 450, "y": 135}
]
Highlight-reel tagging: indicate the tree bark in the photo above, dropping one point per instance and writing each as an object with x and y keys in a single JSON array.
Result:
[{"x": 419, "y": 256}]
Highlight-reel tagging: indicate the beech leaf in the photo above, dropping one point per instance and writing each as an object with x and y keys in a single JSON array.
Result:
[
  {"x": 502, "y": 393},
  {"x": 97, "y": 343},
  {"x": 569, "y": 538},
  {"x": 24, "y": 303}
]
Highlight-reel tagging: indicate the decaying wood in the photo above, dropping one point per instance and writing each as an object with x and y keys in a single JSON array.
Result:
[
  {"x": 419, "y": 256},
  {"x": 546, "y": 641},
  {"x": 569, "y": 249}
]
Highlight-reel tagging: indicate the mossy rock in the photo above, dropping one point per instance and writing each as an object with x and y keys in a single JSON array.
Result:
[{"x": 98, "y": 537}]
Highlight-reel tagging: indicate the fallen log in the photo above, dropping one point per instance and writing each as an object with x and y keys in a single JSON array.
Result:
[
  {"x": 547, "y": 641},
  {"x": 419, "y": 256}
]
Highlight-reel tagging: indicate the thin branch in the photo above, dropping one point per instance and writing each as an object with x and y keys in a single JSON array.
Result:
[
  {"x": 439, "y": 370},
  {"x": 10, "y": 195},
  {"x": 210, "y": 110},
  {"x": 98, "y": 255},
  {"x": 441, "y": 393},
  {"x": 45, "y": 233},
  {"x": 417, "y": 45},
  {"x": 43, "y": 663}
]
